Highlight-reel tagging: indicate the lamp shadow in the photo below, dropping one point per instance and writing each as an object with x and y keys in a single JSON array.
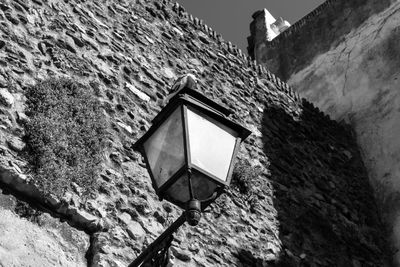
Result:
[{"x": 326, "y": 210}]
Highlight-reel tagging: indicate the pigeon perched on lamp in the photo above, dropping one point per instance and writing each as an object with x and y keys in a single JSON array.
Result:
[{"x": 186, "y": 80}]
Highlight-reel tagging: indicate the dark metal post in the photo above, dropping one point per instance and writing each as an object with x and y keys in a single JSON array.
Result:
[{"x": 153, "y": 247}]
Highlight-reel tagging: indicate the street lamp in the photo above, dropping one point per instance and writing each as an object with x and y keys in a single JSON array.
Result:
[{"x": 189, "y": 152}]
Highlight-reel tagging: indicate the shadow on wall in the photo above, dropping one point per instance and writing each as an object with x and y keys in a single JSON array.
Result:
[{"x": 326, "y": 211}]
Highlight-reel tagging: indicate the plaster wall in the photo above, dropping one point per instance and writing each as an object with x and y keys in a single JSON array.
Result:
[
  {"x": 46, "y": 242},
  {"x": 315, "y": 34},
  {"x": 358, "y": 81}
]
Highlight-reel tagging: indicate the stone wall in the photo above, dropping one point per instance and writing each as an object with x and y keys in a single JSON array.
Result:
[{"x": 307, "y": 201}]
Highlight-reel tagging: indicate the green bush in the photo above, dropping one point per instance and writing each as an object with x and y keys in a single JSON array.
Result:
[
  {"x": 244, "y": 177},
  {"x": 65, "y": 135}
]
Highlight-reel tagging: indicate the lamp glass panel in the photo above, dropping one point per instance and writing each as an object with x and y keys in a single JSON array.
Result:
[
  {"x": 211, "y": 144},
  {"x": 164, "y": 149},
  {"x": 203, "y": 188}
]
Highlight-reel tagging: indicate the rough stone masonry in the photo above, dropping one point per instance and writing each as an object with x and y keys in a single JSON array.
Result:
[{"x": 308, "y": 201}]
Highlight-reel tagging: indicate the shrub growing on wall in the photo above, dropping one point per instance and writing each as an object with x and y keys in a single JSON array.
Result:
[
  {"x": 244, "y": 177},
  {"x": 65, "y": 135}
]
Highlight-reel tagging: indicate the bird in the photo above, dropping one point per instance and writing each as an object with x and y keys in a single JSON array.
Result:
[{"x": 187, "y": 80}]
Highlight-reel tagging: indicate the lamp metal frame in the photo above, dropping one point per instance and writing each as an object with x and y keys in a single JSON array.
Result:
[{"x": 184, "y": 99}]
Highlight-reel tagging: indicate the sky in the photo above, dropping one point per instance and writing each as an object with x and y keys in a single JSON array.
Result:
[{"x": 232, "y": 18}]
